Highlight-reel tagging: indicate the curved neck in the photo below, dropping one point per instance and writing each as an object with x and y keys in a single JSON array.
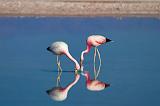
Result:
[
  {"x": 73, "y": 83},
  {"x": 85, "y": 51},
  {"x": 87, "y": 76},
  {"x": 71, "y": 58}
]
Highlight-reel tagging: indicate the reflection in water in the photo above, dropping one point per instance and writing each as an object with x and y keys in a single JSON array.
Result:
[
  {"x": 55, "y": 71},
  {"x": 94, "y": 85},
  {"x": 59, "y": 93},
  {"x": 131, "y": 64}
]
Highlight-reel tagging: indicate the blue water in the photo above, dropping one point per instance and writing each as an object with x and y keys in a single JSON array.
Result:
[{"x": 131, "y": 64}]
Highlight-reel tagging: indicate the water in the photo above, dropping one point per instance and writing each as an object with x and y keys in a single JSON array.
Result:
[{"x": 130, "y": 64}]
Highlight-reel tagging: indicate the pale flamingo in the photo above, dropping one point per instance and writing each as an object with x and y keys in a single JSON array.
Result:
[
  {"x": 94, "y": 85},
  {"x": 59, "y": 93},
  {"x": 61, "y": 48}
]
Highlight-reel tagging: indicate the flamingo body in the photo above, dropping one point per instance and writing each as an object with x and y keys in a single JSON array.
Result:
[
  {"x": 59, "y": 93},
  {"x": 96, "y": 40},
  {"x": 94, "y": 85},
  {"x": 58, "y": 48}
]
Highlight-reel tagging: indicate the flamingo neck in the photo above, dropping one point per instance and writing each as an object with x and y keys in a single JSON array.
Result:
[
  {"x": 85, "y": 51},
  {"x": 71, "y": 58},
  {"x": 73, "y": 83},
  {"x": 88, "y": 80}
]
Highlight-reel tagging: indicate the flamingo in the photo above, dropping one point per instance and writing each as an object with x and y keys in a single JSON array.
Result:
[
  {"x": 61, "y": 48},
  {"x": 94, "y": 41},
  {"x": 59, "y": 93},
  {"x": 94, "y": 85}
]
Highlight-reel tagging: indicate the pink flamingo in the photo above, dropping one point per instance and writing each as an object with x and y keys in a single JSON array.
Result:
[
  {"x": 94, "y": 41},
  {"x": 59, "y": 93},
  {"x": 94, "y": 85}
]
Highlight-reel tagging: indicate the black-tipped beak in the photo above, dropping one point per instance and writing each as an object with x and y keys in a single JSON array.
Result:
[
  {"x": 108, "y": 40},
  {"x": 107, "y": 85},
  {"x": 48, "y": 48}
]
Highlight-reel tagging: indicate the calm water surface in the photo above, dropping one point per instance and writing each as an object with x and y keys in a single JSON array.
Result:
[{"x": 131, "y": 64}]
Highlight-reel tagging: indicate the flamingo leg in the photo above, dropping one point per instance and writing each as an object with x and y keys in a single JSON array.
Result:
[
  {"x": 59, "y": 71},
  {"x": 99, "y": 68},
  {"x": 95, "y": 50}
]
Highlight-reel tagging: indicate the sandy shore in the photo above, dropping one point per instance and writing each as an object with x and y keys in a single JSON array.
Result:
[{"x": 115, "y": 8}]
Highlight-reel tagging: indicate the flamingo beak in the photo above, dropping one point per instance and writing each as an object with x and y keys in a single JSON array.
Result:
[
  {"x": 108, "y": 40},
  {"x": 107, "y": 85}
]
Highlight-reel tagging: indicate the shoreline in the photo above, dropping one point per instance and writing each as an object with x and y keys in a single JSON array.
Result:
[{"x": 81, "y": 8}]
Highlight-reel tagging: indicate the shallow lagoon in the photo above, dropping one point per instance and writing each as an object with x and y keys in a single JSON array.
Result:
[{"x": 130, "y": 64}]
